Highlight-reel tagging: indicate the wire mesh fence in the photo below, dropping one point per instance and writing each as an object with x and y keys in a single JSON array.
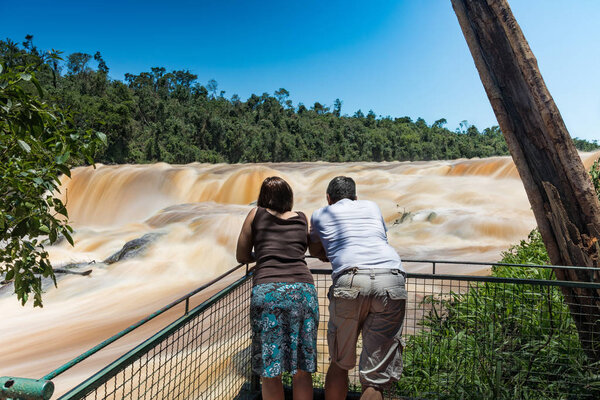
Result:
[
  {"x": 467, "y": 337},
  {"x": 484, "y": 337},
  {"x": 203, "y": 355}
]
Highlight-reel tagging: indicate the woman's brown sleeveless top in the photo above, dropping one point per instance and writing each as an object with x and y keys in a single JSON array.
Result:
[{"x": 279, "y": 245}]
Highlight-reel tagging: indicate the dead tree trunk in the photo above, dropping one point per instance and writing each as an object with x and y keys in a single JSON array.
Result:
[{"x": 558, "y": 187}]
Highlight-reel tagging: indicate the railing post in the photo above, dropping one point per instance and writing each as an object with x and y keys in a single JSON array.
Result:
[
  {"x": 25, "y": 389},
  {"x": 254, "y": 383},
  {"x": 433, "y": 267}
]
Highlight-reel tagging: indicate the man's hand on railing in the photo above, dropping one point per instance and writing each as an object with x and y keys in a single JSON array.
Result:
[{"x": 317, "y": 250}]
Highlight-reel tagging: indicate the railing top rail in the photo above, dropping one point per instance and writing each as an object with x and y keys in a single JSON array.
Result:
[
  {"x": 490, "y": 279},
  {"x": 495, "y": 264},
  {"x": 141, "y": 322}
]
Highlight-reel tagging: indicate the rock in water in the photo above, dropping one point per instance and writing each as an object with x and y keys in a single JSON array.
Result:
[{"x": 133, "y": 248}]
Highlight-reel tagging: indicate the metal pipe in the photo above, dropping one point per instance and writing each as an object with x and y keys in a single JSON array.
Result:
[
  {"x": 501, "y": 264},
  {"x": 25, "y": 388},
  {"x": 493, "y": 264}
]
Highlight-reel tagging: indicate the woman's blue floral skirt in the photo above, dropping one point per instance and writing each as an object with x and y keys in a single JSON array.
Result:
[{"x": 285, "y": 318}]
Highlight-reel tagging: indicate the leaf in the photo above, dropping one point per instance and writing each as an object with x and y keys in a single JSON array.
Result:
[
  {"x": 25, "y": 76},
  {"x": 102, "y": 137},
  {"x": 68, "y": 237},
  {"x": 64, "y": 169},
  {"x": 52, "y": 236},
  {"x": 38, "y": 87},
  {"x": 63, "y": 157},
  {"x": 20, "y": 229},
  {"x": 10, "y": 275},
  {"x": 44, "y": 228},
  {"x": 24, "y": 145}
]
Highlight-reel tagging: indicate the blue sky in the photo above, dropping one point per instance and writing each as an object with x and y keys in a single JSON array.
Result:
[{"x": 395, "y": 57}]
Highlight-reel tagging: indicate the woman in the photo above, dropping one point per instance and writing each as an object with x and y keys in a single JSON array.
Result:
[{"x": 284, "y": 309}]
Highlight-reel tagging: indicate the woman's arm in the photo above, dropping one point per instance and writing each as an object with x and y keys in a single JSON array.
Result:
[{"x": 243, "y": 252}]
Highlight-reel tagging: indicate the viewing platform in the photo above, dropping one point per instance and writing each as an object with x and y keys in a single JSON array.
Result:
[{"x": 465, "y": 336}]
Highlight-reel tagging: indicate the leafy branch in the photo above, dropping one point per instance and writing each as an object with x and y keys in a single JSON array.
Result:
[{"x": 38, "y": 144}]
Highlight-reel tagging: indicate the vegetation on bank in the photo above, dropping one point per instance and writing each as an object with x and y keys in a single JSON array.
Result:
[
  {"x": 172, "y": 117},
  {"x": 502, "y": 340}
]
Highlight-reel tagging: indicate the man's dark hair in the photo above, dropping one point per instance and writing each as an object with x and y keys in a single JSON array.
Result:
[
  {"x": 276, "y": 194},
  {"x": 341, "y": 187}
]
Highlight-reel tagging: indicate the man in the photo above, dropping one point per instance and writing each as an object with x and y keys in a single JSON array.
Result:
[{"x": 367, "y": 294}]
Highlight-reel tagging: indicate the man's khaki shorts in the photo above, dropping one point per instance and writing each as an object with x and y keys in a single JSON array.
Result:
[{"x": 372, "y": 301}]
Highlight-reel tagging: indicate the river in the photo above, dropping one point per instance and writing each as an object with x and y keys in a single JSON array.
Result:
[{"x": 452, "y": 210}]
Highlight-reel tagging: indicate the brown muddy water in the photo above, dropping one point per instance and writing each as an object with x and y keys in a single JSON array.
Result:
[{"x": 449, "y": 210}]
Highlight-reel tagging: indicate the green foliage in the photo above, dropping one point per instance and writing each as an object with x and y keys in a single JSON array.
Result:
[
  {"x": 529, "y": 251},
  {"x": 37, "y": 144},
  {"x": 595, "y": 175},
  {"x": 584, "y": 145},
  {"x": 500, "y": 340},
  {"x": 169, "y": 116}
]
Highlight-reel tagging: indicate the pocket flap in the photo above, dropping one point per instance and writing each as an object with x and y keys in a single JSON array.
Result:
[
  {"x": 397, "y": 293},
  {"x": 345, "y": 293}
]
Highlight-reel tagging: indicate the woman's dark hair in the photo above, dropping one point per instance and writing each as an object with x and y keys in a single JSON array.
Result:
[
  {"x": 341, "y": 187},
  {"x": 276, "y": 194}
]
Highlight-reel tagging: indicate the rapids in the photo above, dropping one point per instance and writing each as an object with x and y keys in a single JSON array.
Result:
[{"x": 462, "y": 209}]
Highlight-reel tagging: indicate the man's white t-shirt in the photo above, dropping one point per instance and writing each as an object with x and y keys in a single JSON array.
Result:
[{"x": 353, "y": 234}]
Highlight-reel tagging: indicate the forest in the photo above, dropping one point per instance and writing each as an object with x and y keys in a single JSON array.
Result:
[{"x": 172, "y": 117}]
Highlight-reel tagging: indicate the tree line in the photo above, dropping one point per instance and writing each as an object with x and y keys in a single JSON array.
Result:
[{"x": 172, "y": 117}]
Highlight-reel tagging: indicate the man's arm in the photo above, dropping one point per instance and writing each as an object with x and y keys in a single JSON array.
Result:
[{"x": 315, "y": 247}]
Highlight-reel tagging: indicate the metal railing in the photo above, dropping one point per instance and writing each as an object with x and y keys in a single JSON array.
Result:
[
  {"x": 466, "y": 337},
  {"x": 202, "y": 355},
  {"x": 480, "y": 337},
  {"x": 436, "y": 263}
]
